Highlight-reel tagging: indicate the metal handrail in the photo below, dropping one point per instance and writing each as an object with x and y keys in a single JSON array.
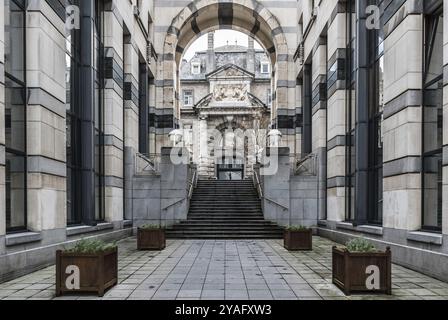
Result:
[
  {"x": 258, "y": 184},
  {"x": 301, "y": 164},
  {"x": 173, "y": 204},
  {"x": 192, "y": 183},
  {"x": 276, "y": 203},
  {"x": 149, "y": 164}
]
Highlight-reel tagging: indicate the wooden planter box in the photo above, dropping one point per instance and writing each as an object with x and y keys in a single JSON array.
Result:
[
  {"x": 97, "y": 272},
  {"x": 351, "y": 271},
  {"x": 298, "y": 240},
  {"x": 151, "y": 239}
]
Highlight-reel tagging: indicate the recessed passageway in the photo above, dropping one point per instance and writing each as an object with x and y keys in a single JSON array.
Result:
[{"x": 231, "y": 270}]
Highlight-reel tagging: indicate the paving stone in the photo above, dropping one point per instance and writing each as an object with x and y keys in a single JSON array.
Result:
[{"x": 202, "y": 269}]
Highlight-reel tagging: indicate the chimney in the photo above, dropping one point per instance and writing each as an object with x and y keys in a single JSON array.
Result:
[
  {"x": 211, "y": 63},
  {"x": 251, "y": 55}
]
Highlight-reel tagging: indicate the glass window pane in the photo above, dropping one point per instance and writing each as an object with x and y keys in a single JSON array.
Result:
[
  {"x": 15, "y": 192},
  {"x": 434, "y": 50},
  {"x": 15, "y": 117},
  {"x": 14, "y": 40},
  {"x": 432, "y": 211}
]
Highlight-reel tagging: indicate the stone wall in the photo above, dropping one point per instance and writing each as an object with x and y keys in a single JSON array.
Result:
[
  {"x": 160, "y": 196},
  {"x": 288, "y": 199},
  {"x": 324, "y": 47}
]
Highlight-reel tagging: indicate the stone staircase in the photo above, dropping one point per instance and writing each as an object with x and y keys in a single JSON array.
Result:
[{"x": 225, "y": 210}]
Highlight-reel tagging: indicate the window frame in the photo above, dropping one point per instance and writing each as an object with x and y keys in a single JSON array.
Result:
[
  {"x": 268, "y": 67},
  {"x": 195, "y": 65},
  {"x": 184, "y": 96},
  {"x": 8, "y": 150},
  {"x": 428, "y": 45}
]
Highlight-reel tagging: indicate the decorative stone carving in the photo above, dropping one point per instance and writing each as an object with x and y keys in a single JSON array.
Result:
[{"x": 230, "y": 93}]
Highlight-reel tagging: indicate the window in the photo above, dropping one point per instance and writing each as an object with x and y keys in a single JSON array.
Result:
[
  {"x": 350, "y": 116},
  {"x": 265, "y": 68},
  {"x": 188, "y": 98},
  {"x": 75, "y": 113},
  {"x": 432, "y": 122},
  {"x": 143, "y": 108},
  {"x": 15, "y": 116},
  {"x": 196, "y": 68},
  {"x": 376, "y": 107},
  {"x": 99, "y": 112}
]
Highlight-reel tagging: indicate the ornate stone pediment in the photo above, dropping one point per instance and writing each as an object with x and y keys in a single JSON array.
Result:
[{"x": 230, "y": 71}]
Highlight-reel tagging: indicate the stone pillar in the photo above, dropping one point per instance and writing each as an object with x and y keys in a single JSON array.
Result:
[
  {"x": 336, "y": 114},
  {"x": 203, "y": 147},
  {"x": 319, "y": 119},
  {"x": 211, "y": 61},
  {"x": 113, "y": 118},
  {"x": 276, "y": 186},
  {"x": 130, "y": 58},
  {"x": 46, "y": 123},
  {"x": 251, "y": 55},
  {"x": 402, "y": 125}
]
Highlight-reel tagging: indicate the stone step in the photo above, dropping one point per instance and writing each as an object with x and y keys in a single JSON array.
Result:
[
  {"x": 224, "y": 236},
  {"x": 224, "y": 223},
  {"x": 225, "y": 210},
  {"x": 224, "y": 228},
  {"x": 216, "y": 232},
  {"x": 220, "y": 218}
]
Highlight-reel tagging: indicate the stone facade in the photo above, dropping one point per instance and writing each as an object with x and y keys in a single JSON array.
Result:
[
  {"x": 230, "y": 92},
  {"x": 89, "y": 148},
  {"x": 375, "y": 129},
  {"x": 86, "y": 153}
]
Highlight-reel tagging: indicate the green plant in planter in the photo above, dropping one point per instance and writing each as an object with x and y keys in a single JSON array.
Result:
[
  {"x": 360, "y": 245},
  {"x": 91, "y": 246},
  {"x": 151, "y": 227},
  {"x": 297, "y": 228}
]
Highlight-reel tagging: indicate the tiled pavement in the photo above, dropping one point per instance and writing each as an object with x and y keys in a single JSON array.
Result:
[{"x": 231, "y": 270}]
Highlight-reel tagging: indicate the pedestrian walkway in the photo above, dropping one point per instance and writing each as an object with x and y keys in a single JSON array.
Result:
[{"x": 226, "y": 270}]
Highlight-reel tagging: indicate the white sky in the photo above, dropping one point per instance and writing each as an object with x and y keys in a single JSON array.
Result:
[{"x": 221, "y": 39}]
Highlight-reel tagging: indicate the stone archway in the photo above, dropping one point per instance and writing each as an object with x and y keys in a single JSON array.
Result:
[{"x": 201, "y": 16}]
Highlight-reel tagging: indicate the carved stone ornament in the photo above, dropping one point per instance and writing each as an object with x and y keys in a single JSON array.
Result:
[{"x": 230, "y": 93}]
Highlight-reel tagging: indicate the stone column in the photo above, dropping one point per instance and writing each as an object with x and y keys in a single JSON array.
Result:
[
  {"x": 402, "y": 125},
  {"x": 211, "y": 61},
  {"x": 46, "y": 123},
  {"x": 203, "y": 147},
  {"x": 130, "y": 58},
  {"x": 319, "y": 119},
  {"x": 113, "y": 117},
  {"x": 336, "y": 123},
  {"x": 251, "y": 55}
]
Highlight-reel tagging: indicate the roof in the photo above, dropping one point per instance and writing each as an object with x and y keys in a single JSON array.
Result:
[{"x": 230, "y": 66}]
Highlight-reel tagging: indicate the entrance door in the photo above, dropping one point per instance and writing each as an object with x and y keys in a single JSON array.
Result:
[{"x": 230, "y": 171}]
